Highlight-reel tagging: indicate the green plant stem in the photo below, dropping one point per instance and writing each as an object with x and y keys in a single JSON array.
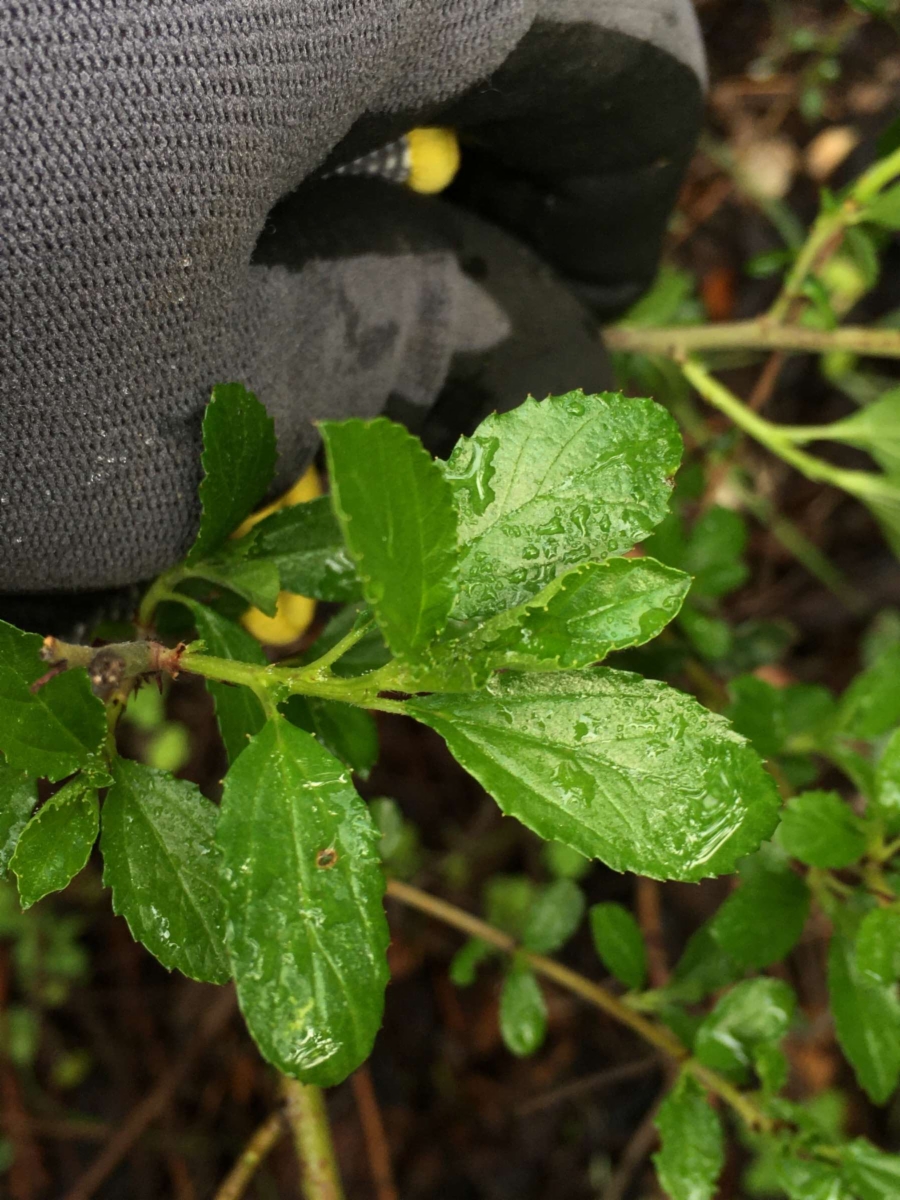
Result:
[
  {"x": 657, "y": 1035},
  {"x": 322, "y": 665},
  {"x": 793, "y": 539},
  {"x": 262, "y": 1141},
  {"x": 308, "y": 1120},
  {"x": 162, "y": 588},
  {"x": 759, "y": 334},
  {"x": 863, "y": 484},
  {"x": 277, "y": 683},
  {"x": 828, "y": 231}
]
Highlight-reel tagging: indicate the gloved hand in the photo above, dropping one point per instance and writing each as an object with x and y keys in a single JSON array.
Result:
[{"x": 173, "y": 215}]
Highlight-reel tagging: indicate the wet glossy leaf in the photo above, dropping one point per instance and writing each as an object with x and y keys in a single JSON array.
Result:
[
  {"x": 305, "y": 544},
  {"x": 871, "y": 704},
  {"x": 578, "y": 619},
  {"x": 554, "y": 917},
  {"x": 751, "y": 1014},
  {"x": 821, "y": 830},
  {"x": 238, "y": 461},
  {"x": 866, "y": 1019},
  {"x": 523, "y": 1013},
  {"x": 349, "y": 733},
  {"x": 18, "y": 796},
  {"x": 306, "y": 928},
  {"x": 760, "y": 922},
  {"x": 618, "y": 767},
  {"x": 56, "y": 843},
  {"x": 620, "y": 943},
  {"x": 55, "y": 730},
  {"x": 885, "y": 795},
  {"x": 546, "y": 486},
  {"x": 693, "y": 1149},
  {"x": 238, "y": 711},
  {"x": 159, "y": 858},
  {"x": 396, "y": 512},
  {"x": 870, "y": 1173},
  {"x": 878, "y": 945}
]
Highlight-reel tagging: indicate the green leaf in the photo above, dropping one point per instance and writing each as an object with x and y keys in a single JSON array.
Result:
[
  {"x": 160, "y": 859},
  {"x": 306, "y": 928},
  {"x": 870, "y": 706},
  {"x": 760, "y": 922},
  {"x": 18, "y": 796},
  {"x": 620, "y": 943},
  {"x": 238, "y": 459},
  {"x": 306, "y": 546},
  {"x": 508, "y": 900},
  {"x": 711, "y": 637},
  {"x": 563, "y": 862},
  {"x": 821, "y": 830},
  {"x": 398, "y": 842},
  {"x": 618, "y": 767},
  {"x": 523, "y": 1013},
  {"x": 875, "y": 428},
  {"x": 238, "y": 710},
  {"x": 368, "y": 654},
  {"x": 255, "y": 580},
  {"x": 466, "y": 961},
  {"x": 350, "y": 734},
  {"x": 885, "y": 795},
  {"x": 578, "y": 619},
  {"x": 885, "y": 209},
  {"x": 870, "y": 1173},
  {"x": 704, "y": 967},
  {"x": 714, "y": 553},
  {"x": 878, "y": 945},
  {"x": 751, "y": 1014},
  {"x": 585, "y": 614},
  {"x": 55, "y": 730},
  {"x": 396, "y": 512},
  {"x": 56, "y": 843},
  {"x": 757, "y": 711},
  {"x": 554, "y": 917},
  {"x": 771, "y": 1066},
  {"x": 803, "y": 1179},
  {"x": 866, "y": 1019},
  {"x": 547, "y": 486},
  {"x": 693, "y": 1150}
]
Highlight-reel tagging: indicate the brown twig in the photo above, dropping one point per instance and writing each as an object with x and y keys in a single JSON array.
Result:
[
  {"x": 252, "y": 1155},
  {"x": 589, "y": 1083},
  {"x": 639, "y": 1146},
  {"x": 213, "y": 1023},
  {"x": 651, "y": 1031},
  {"x": 377, "y": 1146},
  {"x": 649, "y": 916}
]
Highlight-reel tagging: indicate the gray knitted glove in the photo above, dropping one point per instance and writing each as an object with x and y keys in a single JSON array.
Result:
[{"x": 169, "y": 220}]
